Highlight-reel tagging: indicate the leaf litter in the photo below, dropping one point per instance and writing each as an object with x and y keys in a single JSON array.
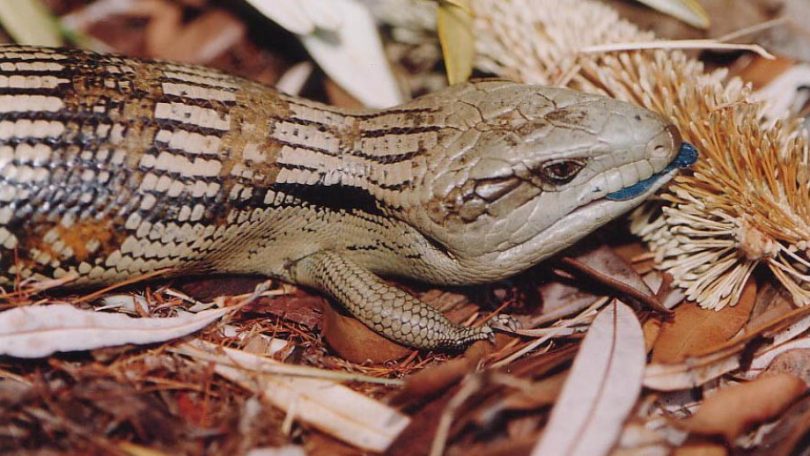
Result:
[{"x": 189, "y": 397}]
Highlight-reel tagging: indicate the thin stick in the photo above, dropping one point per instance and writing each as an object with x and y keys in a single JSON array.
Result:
[{"x": 676, "y": 44}]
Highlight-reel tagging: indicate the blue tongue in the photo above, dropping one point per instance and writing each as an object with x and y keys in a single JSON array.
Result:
[{"x": 687, "y": 155}]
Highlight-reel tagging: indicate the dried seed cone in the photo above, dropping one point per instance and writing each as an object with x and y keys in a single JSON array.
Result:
[{"x": 747, "y": 201}]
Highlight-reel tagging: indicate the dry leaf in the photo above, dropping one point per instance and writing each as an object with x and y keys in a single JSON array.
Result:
[
  {"x": 793, "y": 362},
  {"x": 734, "y": 409},
  {"x": 792, "y": 39},
  {"x": 416, "y": 438},
  {"x": 652, "y": 330},
  {"x": 353, "y": 56},
  {"x": 165, "y": 23},
  {"x": 37, "y": 331},
  {"x": 607, "y": 267},
  {"x": 695, "y": 330},
  {"x": 695, "y": 371},
  {"x": 692, "y": 372},
  {"x": 301, "y": 16},
  {"x": 768, "y": 355},
  {"x": 30, "y": 22},
  {"x": 338, "y": 96},
  {"x": 454, "y": 23},
  {"x": 326, "y": 405},
  {"x": 320, "y": 444},
  {"x": 438, "y": 377},
  {"x": 132, "y": 449},
  {"x": 601, "y": 389},
  {"x": 539, "y": 394},
  {"x": 689, "y": 11},
  {"x": 771, "y": 303},
  {"x": 701, "y": 449},
  {"x": 200, "y": 41},
  {"x": 342, "y": 37},
  {"x": 788, "y": 435},
  {"x": 561, "y": 299}
]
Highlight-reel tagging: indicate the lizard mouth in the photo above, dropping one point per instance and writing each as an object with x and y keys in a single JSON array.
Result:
[{"x": 687, "y": 156}]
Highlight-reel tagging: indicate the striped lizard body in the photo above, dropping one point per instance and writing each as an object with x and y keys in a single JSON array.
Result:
[{"x": 113, "y": 167}]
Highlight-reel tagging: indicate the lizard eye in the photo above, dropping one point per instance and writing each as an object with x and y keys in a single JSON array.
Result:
[{"x": 561, "y": 171}]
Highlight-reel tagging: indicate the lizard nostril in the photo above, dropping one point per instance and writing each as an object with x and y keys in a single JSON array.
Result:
[
  {"x": 665, "y": 144},
  {"x": 676, "y": 136}
]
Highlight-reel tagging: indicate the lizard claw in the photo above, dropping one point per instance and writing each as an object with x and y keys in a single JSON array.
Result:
[
  {"x": 504, "y": 322},
  {"x": 500, "y": 322}
]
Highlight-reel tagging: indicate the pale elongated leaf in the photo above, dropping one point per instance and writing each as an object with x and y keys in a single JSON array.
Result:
[
  {"x": 341, "y": 35},
  {"x": 689, "y": 11},
  {"x": 37, "y": 331},
  {"x": 29, "y": 22},
  {"x": 601, "y": 389},
  {"x": 324, "y": 404},
  {"x": 692, "y": 372},
  {"x": 454, "y": 23},
  {"x": 301, "y": 16},
  {"x": 353, "y": 56}
]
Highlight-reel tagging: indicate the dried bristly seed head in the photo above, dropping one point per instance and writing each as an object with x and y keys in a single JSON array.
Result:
[{"x": 747, "y": 201}]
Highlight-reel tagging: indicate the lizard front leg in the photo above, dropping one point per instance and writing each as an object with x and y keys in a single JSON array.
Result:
[{"x": 382, "y": 307}]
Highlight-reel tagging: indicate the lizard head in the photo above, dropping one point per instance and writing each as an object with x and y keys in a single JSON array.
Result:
[{"x": 523, "y": 172}]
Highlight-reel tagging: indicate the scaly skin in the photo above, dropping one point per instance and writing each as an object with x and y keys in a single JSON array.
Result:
[{"x": 113, "y": 167}]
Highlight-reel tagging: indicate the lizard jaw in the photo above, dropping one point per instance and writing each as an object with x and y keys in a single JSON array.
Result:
[{"x": 687, "y": 156}]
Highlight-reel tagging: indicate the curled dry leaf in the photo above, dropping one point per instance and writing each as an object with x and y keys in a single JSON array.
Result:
[
  {"x": 601, "y": 389},
  {"x": 355, "y": 342},
  {"x": 770, "y": 304},
  {"x": 561, "y": 299},
  {"x": 734, "y": 409},
  {"x": 608, "y": 268},
  {"x": 37, "y": 331},
  {"x": 695, "y": 330}
]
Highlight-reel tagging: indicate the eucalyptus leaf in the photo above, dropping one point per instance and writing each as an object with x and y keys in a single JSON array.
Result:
[
  {"x": 689, "y": 11},
  {"x": 342, "y": 37},
  {"x": 603, "y": 386},
  {"x": 30, "y": 22},
  {"x": 39, "y": 331},
  {"x": 454, "y": 22}
]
